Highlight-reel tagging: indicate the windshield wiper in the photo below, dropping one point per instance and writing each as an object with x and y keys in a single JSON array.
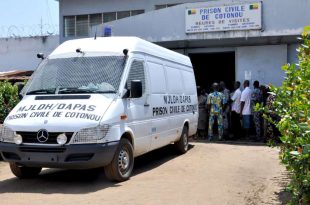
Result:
[
  {"x": 83, "y": 90},
  {"x": 42, "y": 91}
]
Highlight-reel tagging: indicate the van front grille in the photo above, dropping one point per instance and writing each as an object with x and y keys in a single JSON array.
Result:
[{"x": 31, "y": 137}]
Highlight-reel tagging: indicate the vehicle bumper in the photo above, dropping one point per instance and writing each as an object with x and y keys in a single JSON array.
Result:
[{"x": 69, "y": 156}]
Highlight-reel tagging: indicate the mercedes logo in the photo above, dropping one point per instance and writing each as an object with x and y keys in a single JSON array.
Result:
[{"x": 42, "y": 136}]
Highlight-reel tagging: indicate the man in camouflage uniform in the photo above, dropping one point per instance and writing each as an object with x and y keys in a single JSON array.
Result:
[{"x": 215, "y": 104}]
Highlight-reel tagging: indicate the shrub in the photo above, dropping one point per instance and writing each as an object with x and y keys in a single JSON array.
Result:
[
  {"x": 292, "y": 103},
  {"x": 8, "y": 99}
]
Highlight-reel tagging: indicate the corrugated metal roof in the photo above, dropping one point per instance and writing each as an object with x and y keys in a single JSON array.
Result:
[{"x": 16, "y": 75}]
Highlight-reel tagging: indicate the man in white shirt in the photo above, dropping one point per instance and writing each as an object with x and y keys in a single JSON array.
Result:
[
  {"x": 246, "y": 107},
  {"x": 235, "y": 111}
]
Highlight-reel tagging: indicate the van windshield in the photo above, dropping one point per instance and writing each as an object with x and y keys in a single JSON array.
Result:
[{"x": 77, "y": 75}]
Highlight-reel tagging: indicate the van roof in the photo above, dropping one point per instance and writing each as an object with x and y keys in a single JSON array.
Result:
[{"x": 117, "y": 45}]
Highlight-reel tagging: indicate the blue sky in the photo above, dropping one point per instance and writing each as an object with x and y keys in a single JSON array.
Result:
[{"x": 23, "y": 17}]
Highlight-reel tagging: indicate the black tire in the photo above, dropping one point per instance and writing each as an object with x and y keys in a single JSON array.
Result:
[
  {"x": 24, "y": 172},
  {"x": 121, "y": 167},
  {"x": 182, "y": 144}
]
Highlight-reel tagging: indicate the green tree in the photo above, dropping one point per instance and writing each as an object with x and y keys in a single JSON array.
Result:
[
  {"x": 8, "y": 99},
  {"x": 292, "y": 103}
]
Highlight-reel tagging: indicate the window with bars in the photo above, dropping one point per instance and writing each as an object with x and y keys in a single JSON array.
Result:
[
  {"x": 78, "y": 74},
  {"x": 95, "y": 19},
  {"x": 136, "y": 73},
  {"x": 136, "y": 12},
  {"x": 69, "y": 26},
  {"x": 110, "y": 16},
  {"x": 80, "y": 25},
  {"x": 123, "y": 14},
  {"x": 163, "y": 6}
]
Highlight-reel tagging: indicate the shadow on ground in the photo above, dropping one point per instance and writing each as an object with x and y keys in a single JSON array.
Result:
[
  {"x": 231, "y": 142},
  {"x": 283, "y": 195},
  {"x": 83, "y": 181}
]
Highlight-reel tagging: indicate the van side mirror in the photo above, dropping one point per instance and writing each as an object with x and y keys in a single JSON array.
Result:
[{"x": 136, "y": 89}]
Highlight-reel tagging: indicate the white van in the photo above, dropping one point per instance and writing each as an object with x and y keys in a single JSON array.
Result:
[{"x": 101, "y": 102}]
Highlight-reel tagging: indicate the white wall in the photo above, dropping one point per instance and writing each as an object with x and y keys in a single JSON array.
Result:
[
  {"x": 279, "y": 17},
  {"x": 21, "y": 53},
  {"x": 263, "y": 62}
]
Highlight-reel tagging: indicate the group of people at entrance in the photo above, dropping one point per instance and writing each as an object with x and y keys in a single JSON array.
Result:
[{"x": 233, "y": 113}]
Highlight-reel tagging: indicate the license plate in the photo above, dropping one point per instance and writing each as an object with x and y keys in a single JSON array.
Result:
[{"x": 41, "y": 158}]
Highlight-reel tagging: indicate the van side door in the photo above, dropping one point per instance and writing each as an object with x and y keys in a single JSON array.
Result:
[
  {"x": 138, "y": 110},
  {"x": 160, "y": 109}
]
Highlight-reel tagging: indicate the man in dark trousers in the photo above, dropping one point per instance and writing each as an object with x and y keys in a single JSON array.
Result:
[
  {"x": 235, "y": 111},
  {"x": 245, "y": 110},
  {"x": 257, "y": 98}
]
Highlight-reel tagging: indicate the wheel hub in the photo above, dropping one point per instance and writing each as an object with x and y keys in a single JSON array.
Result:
[{"x": 123, "y": 160}]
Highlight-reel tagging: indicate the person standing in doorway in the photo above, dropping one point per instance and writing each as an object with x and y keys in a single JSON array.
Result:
[
  {"x": 215, "y": 104},
  {"x": 235, "y": 111},
  {"x": 257, "y": 98},
  {"x": 202, "y": 120},
  {"x": 245, "y": 110},
  {"x": 226, "y": 109}
]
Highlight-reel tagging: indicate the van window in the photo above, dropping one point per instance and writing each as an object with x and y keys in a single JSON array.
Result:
[
  {"x": 158, "y": 81},
  {"x": 189, "y": 82},
  {"x": 136, "y": 73},
  {"x": 100, "y": 74},
  {"x": 174, "y": 80}
]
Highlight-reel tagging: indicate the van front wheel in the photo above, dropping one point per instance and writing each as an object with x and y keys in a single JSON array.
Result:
[
  {"x": 121, "y": 167},
  {"x": 182, "y": 144},
  {"x": 24, "y": 172}
]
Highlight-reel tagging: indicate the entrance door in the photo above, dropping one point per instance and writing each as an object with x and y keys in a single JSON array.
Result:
[{"x": 214, "y": 67}]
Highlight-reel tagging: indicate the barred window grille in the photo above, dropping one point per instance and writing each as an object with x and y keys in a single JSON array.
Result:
[
  {"x": 110, "y": 16},
  {"x": 80, "y": 25},
  {"x": 95, "y": 19},
  {"x": 123, "y": 14},
  {"x": 163, "y": 6},
  {"x": 69, "y": 26},
  {"x": 136, "y": 12},
  {"x": 101, "y": 73},
  {"x": 136, "y": 73}
]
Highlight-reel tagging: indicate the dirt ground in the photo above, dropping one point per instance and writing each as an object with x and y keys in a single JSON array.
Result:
[{"x": 210, "y": 173}]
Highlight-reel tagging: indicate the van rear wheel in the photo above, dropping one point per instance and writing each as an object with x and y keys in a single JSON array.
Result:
[
  {"x": 121, "y": 167},
  {"x": 182, "y": 144},
  {"x": 23, "y": 172}
]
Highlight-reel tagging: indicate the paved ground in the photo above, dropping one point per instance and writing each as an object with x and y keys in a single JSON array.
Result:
[{"x": 209, "y": 173}]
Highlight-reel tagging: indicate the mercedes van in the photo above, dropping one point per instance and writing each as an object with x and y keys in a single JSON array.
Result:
[{"x": 101, "y": 102}]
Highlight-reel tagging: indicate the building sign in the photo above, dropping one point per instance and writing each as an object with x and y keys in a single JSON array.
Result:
[{"x": 224, "y": 18}]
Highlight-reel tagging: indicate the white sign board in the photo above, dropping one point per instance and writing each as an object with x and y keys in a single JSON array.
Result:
[{"x": 224, "y": 18}]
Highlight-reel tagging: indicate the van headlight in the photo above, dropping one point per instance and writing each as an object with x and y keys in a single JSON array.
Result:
[
  {"x": 18, "y": 139},
  {"x": 7, "y": 135},
  {"x": 62, "y": 139},
  {"x": 91, "y": 135}
]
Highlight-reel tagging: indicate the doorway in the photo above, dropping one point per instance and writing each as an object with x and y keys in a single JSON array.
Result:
[{"x": 214, "y": 67}]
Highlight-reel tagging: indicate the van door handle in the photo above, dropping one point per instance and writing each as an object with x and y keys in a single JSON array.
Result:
[{"x": 146, "y": 105}]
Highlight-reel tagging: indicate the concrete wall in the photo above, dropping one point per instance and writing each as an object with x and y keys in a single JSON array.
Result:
[
  {"x": 292, "y": 53},
  {"x": 280, "y": 18},
  {"x": 20, "y": 53},
  {"x": 263, "y": 63},
  {"x": 79, "y": 7},
  {"x": 262, "y": 52}
]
